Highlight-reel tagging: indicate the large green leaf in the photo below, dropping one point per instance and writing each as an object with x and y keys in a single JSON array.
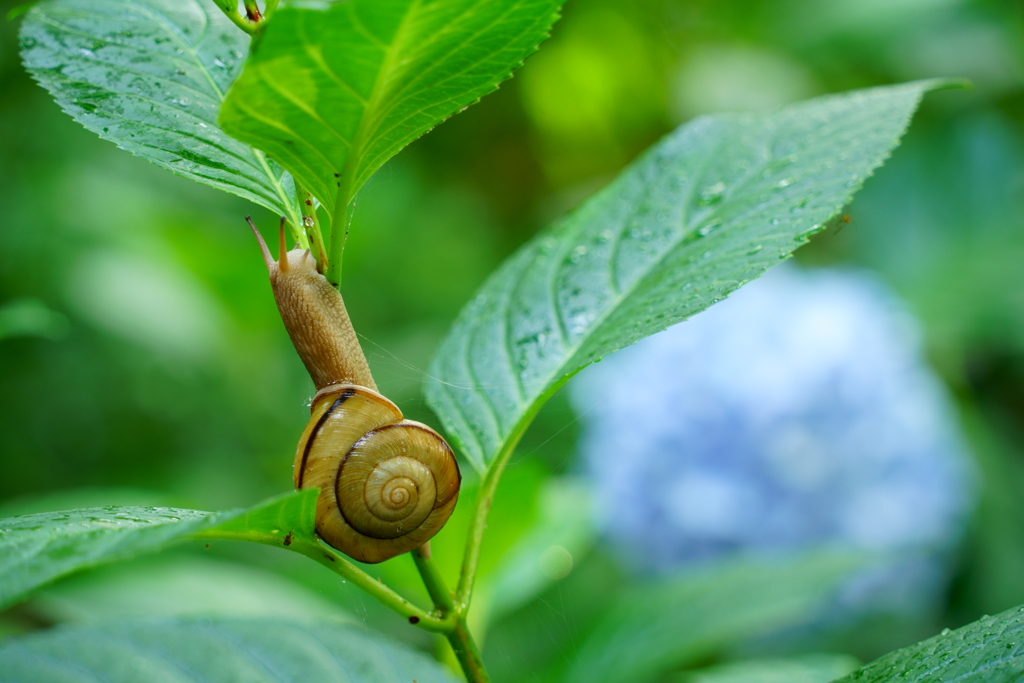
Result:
[
  {"x": 679, "y": 621},
  {"x": 150, "y": 75},
  {"x": 990, "y": 650},
  {"x": 710, "y": 207},
  {"x": 181, "y": 584},
  {"x": 215, "y": 651},
  {"x": 39, "y": 548},
  {"x": 334, "y": 89},
  {"x": 36, "y": 549}
]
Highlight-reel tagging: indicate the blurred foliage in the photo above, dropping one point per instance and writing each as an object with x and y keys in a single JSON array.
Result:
[{"x": 142, "y": 360}]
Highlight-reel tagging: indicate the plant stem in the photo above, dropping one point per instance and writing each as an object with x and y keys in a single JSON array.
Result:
[
  {"x": 488, "y": 488},
  {"x": 252, "y": 11},
  {"x": 467, "y": 653},
  {"x": 475, "y": 538},
  {"x": 432, "y": 579},
  {"x": 339, "y": 564},
  {"x": 230, "y": 9},
  {"x": 458, "y": 635},
  {"x": 342, "y": 218},
  {"x": 286, "y": 198},
  {"x": 311, "y": 226},
  {"x": 332, "y": 559}
]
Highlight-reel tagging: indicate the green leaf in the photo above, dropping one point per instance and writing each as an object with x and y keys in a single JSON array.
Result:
[
  {"x": 180, "y": 584},
  {"x": 709, "y": 208},
  {"x": 215, "y": 651},
  {"x": 283, "y": 518},
  {"x": 676, "y": 622},
  {"x": 990, "y": 650},
  {"x": 150, "y": 75},
  {"x": 37, "y": 549},
  {"x": 818, "y": 668},
  {"x": 334, "y": 89}
]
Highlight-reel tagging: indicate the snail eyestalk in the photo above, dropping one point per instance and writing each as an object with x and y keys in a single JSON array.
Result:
[{"x": 268, "y": 258}]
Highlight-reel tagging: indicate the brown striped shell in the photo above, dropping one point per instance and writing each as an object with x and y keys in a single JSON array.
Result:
[{"x": 387, "y": 484}]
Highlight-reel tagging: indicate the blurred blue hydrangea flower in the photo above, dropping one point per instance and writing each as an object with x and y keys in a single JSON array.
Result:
[{"x": 797, "y": 413}]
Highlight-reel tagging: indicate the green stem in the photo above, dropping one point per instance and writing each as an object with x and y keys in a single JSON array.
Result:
[
  {"x": 268, "y": 9},
  {"x": 311, "y": 226},
  {"x": 488, "y": 488},
  {"x": 332, "y": 559},
  {"x": 433, "y": 580},
  {"x": 467, "y": 653},
  {"x": 339, "y": 564},
  {"x": 458, "y": 635},
  {"x": 340, "y": 221},
  {"x": 230, "y": 9},
  {"x": 475, "y": 538},
  {"x": 460, "y": 638}
]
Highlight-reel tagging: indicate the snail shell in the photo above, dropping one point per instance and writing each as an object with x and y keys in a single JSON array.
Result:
[{"x": 387, "y": 484}]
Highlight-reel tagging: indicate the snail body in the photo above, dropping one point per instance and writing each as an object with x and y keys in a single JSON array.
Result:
[{"x": 387, "y": 484}]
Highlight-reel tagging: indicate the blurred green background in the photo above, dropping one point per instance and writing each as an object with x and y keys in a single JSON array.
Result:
[{"x": 142, "y": 360}]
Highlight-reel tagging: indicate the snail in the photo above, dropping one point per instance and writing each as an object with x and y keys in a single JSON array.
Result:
[{"x": 387, "y": 484}]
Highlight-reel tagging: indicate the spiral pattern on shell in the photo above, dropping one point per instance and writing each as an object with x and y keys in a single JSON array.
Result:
[{"x": 387, "y": 484}]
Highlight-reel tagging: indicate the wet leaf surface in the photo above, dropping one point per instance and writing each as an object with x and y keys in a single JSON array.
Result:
[{"x": 710, "y": 207}]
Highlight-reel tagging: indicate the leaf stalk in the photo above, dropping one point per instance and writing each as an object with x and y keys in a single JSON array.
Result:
[
  {"x": 311, "y": 228},
  {"x": 230, "y": 10},
  {"x": 324, "y": 554},
  {"x": 458, "y": 635}
]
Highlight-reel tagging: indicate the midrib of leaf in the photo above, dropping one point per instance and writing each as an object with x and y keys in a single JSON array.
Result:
[
  {"x": 258, "y": 155},
  {"x": 397, "y": 97},
  {"x": 173, "y": 30},
  {"x": 276, "y": 182},
  {"x": 281, "y": 127},
  {"x": 344, "y": 195},
  {"x": 508, "y": 444},
  {"x": 309, "y": 111},
  {"x": 628, "y": 286},
  {"x": 572, "y": 349},
  {"x": 380, "y": 99},
  {"x": 425, "y": 72},
  {"x": 257, "y": 160}
]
